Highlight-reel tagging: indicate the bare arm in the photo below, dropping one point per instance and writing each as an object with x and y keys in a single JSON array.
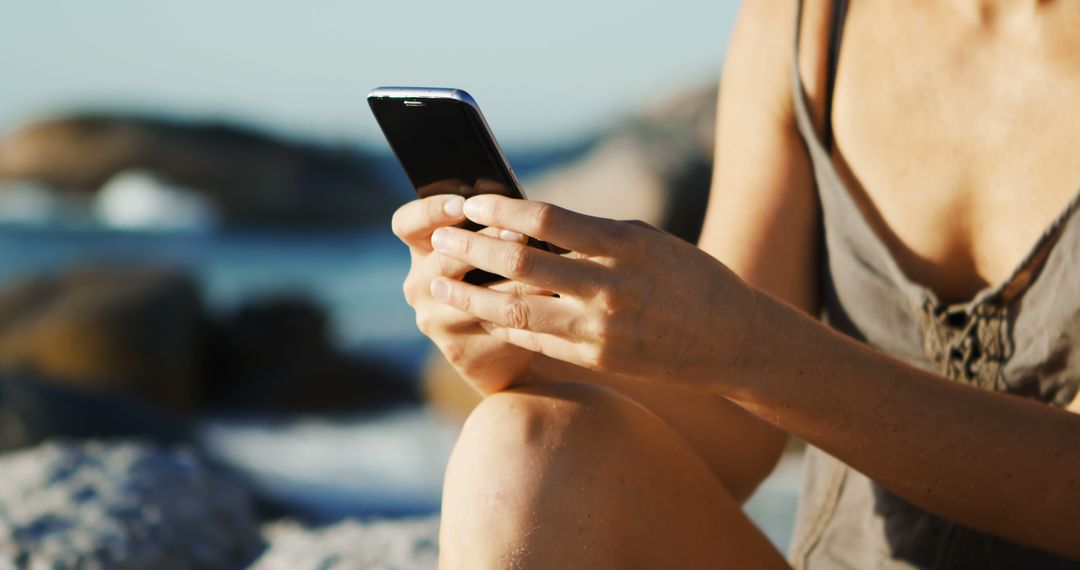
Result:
[{"x": 998, "y": 463}]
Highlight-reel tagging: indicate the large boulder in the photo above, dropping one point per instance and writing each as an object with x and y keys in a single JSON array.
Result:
[
  {"x": 121, "y": 505},
  {"x": 277, "y": 354},
  {"x": 129, "y": 329},
  {"x": 252, "y": 177},
  {"x": 138, "y": 337},
  {"x": 33, "y": 410}
]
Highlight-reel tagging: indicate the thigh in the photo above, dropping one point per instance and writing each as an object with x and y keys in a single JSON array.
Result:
[{"x": 574, "y": 475}]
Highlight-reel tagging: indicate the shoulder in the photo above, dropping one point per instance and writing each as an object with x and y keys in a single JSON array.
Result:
[{"x": 762, "y": 50}]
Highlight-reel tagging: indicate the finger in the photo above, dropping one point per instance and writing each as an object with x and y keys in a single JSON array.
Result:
[
  {"x": 455, "y": 269},
  {"x": 516, "y": 261},
  {"x": 539, "y": 314},
  {"x": 450, "y": 267},
  {"x": 644, "y": 225},
  {"x": 549, "y": 345},
  {"x": 415, "y": 221},
  {"x": 459, "y": 337},
  {"x": 436, "y": 319},
  {"x": 559, "y": 226},
  {"x": 505, "y": 235},
  {"x": 519, "y": 288}
]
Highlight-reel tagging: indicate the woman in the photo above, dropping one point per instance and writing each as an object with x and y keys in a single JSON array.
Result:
[{"x": 915, "y": 188}]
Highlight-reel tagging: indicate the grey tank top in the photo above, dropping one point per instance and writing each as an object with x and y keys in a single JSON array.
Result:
[{"x": 1019, "y": 337}]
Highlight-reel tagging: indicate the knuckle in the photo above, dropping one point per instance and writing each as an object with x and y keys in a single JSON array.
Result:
[
  {"x": 435, "y": 208},
  {"x": 594, "y": 358},
  {"x": 454, "y": 351},
  {"x": 606, "y": 301},
  {"x": 605, "y": 356},
  {"x": 532, "y": 343},
  {"x": 603, "y": 328},
  {"x": 409, "y": 290},
  {"x": 398, "y": 221},
  {"x": 519, "y": 261},
  {"x": 625, "y": 237},
  {"x": 490, "y": 209},
  {"x": 578, "y": 327},
  {"x": 424, "y": 323},
  {"x": 516, "y": 314},
  {"x": 542, "y": 214},
  {"x": 461, "y": 301},
  {"x": 466, "y": 242}
]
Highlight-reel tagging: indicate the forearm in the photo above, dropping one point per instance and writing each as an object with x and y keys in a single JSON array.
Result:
[{"x": 955, "y": 450}]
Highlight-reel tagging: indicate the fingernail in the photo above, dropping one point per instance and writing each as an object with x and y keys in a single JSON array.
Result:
[
  {"x": 472, "y": 206},
  {"x": 440, "y": 289},
  {"x": 440, "y": 240},
  {"x": 453, "y": 206},
  {"x": 508, "y": 235},
  {"x": 487, "y": 326}
]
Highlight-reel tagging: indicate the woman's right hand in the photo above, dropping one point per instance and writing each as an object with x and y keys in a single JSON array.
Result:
[{"x": 488, "y": 364}]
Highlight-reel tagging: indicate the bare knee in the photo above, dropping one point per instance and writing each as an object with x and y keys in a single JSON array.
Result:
[
  {"x": 534, "y": 419},
  {"x": 533, "y": 431},
  {"x": 572, "y": 475},
  {"x": 523, "y": 458}
]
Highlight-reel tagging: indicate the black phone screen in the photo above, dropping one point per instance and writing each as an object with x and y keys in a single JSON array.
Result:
[{"x": 443, "y": 146}]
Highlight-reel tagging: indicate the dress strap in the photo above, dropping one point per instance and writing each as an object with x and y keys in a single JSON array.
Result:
[{"x": 836, "y": 34}]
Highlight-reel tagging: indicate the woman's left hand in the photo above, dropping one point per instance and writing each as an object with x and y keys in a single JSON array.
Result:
[{"x": 631, "y": 299}]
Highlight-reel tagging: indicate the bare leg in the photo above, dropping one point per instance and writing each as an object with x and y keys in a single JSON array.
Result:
[{"x": 577, "y": 476}]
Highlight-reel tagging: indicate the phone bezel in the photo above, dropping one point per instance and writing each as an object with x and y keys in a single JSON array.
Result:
[{"x": 444, "y": 93}]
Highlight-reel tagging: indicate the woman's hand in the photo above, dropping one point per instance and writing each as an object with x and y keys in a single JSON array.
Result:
[
  {"x": 632, "y": 300},
  {"x": 486, "y": 362}
]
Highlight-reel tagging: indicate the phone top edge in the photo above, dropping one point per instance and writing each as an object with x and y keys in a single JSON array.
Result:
[
  {"x": 421, "y": 92},
  {"x": 455, "y": 94}
]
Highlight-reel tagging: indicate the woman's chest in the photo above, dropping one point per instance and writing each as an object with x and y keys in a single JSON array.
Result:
[{"x": 960, "y": 146}]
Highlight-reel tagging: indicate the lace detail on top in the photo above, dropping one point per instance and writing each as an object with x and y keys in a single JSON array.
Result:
[{"x": 970, "y": 346}]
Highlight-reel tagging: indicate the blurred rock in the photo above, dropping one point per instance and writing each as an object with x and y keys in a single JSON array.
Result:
[
  {"x": 121, "y": 505},
  {"x": 33, "y": 410},
  {"x": 654, "y": 167},
  {"x": 133, "y": 330},
  {"x": 410, "y": 543},
  {"x": 277, "y": 354},
  {"x": 252, "y": 178},
  {"x": 136, "y": 338}
]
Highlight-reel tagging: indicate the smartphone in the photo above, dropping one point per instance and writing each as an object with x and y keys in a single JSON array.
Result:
[{"x": 445, "y": 146}]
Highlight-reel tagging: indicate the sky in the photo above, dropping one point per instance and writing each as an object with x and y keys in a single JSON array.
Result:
[{"x": 544, "y": 72}]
